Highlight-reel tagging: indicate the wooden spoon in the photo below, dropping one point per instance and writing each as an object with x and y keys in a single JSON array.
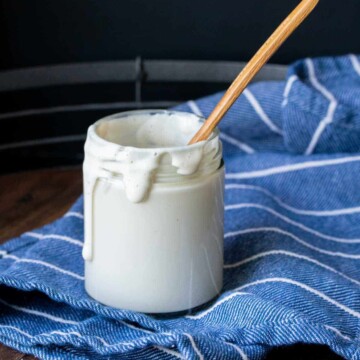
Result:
[{"x": 286, "y": 28}]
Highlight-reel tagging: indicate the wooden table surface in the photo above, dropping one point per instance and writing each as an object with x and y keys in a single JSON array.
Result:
[{"x": 32, "y": 199}]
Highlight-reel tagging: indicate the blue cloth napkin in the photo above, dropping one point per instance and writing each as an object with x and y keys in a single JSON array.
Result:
[{"x": 292, "y": 241}]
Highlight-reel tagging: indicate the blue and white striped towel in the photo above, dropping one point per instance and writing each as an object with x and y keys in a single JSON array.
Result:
[{"x": 292, "y": 243}]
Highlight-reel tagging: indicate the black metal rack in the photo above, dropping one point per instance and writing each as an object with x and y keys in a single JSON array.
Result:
[{"x": 45, "y": 111}]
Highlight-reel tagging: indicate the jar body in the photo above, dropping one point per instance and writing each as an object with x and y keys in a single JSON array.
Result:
[
  {"x": 164, "y": 254},
  {"x": 153, "y": 211}
]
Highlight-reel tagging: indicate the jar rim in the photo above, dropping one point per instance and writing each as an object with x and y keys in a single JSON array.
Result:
[{"x": 93, "y": 134}]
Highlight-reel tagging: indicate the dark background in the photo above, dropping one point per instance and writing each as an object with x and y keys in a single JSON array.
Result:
[
  {"x": 46, "y": 125},
  {"x": 34, "y": 32}
]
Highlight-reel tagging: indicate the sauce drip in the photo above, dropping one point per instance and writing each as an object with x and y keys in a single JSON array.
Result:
[{"x": 133, "y": 148}]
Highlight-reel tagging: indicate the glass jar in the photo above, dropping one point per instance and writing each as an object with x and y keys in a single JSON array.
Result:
[{"x": 153, "y": 212}]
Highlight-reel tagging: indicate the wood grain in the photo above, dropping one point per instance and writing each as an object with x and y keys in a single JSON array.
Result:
[
  {"x": 271, "y": 45},
  {"x": 32, "y": 199}
]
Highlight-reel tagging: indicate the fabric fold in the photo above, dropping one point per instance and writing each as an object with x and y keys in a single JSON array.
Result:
[{"x": 321, "y": 107}]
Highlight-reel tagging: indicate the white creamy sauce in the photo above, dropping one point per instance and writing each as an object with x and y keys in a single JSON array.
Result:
[{"x": 131, "y": 149}]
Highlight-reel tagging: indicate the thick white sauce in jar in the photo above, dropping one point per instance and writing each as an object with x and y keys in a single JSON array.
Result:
[{"x": 153, "y": 212}]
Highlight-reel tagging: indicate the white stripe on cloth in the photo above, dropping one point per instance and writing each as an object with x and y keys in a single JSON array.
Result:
[
  {"x": 338, "y": 332},
  {"x": 201, "y": 357},
  {"x": 61, "y": 320},
  {"x": 40, "y": 313},
  {"x": 336, "y": 212},
  {"x": 355, "y": 63},
  {"x": 71, "y": 322},
  {"x": 55, "y": 332},
  {"x": 62, "y": 333},
  {"x": 293, "y": 167},
  {"x": 102, "y": 340},
  {"x": 239, "y": 144},
  {"x": 74, "y": 214},
  {"x": 5, "y": 255},
  {"x": 287, "y": 90},
  {"x": 328, "y": 119},
  {"x": 55, "y": 237},
  {"x": 174, "y": 353},
  {"x": 132, "y": 344},
  {"x": 291, "y": 254},
  {"x": 239, "y": 350},
  {"x": 122, "y": 343},
  {"x": 169, "y": 352},
  {"x": 105, "y": 344},
  {"x": 65, "y": 321},
  {"x": 22, "y": 332},
  {"x": 195, "y": 108},
  {"x": 294, "y": 237},
  {"x": 260, "y": 111},
  {"x": 304, "y": 287},
  {"x": 291, "y": 222},
  {"x": 218, "y": 303}
]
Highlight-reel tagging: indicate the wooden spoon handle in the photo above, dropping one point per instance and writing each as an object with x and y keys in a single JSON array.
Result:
[{"x": 286, "y": 28}]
